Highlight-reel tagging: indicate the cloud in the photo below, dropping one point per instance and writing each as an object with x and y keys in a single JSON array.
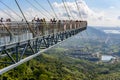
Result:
[
  {"x": 29, "y": 13},
  {"x": 99, "y": 17},
  {"x": 8, "y": 14},
  {"x": 112, "y": 7},
  {"x": 118, "y": 17},
  {"x": 95, "y": 17},
  {"x": 85, "y": 11}
]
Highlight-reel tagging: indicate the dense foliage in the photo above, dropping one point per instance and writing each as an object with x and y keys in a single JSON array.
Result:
[{"x": 57, "y": 66}]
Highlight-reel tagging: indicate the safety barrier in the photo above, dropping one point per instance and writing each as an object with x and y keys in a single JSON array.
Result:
[{"x": 11, "y": 32}]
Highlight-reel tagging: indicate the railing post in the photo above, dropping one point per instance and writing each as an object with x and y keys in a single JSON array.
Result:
[
  {"x": 36, "y": 45},
  {"x": 17, "y": 52}
]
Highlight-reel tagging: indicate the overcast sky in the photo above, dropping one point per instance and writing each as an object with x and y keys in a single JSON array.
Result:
[{"x": 96, "y": 12}]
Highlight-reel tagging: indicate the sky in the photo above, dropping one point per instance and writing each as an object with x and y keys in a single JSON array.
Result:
[{"x": 96, "y": 12}]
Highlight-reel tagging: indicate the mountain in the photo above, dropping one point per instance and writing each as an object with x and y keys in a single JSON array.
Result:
[
  {"x": 90, "y": 35},
  {"x": 107, "y": 28},
  {"x": 57, "y": 65},
  {"x": 94, "y": 32}
]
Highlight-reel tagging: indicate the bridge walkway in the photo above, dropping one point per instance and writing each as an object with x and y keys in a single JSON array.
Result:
[{"x": 20, "y": 43}]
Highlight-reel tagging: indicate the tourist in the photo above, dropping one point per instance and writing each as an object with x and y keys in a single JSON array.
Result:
[
  {"x": 54, "y": 21},
  {"x": 1, "y": 20}
]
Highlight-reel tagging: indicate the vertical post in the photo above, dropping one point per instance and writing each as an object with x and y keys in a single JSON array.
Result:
[
  {"x": 36, "y": 45},
  {"x": 17, "y": 52}
]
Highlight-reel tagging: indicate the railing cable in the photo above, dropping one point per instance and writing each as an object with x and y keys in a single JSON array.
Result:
[
  {"x": 70, "y": 10},
  {"x": 8, "y": 30},
  {"x": 11, "y": 9},
  {"x": 37, "y": 9},
  {"x": 8, "y": 14},
  {"x": 52, "y": 9},
  {"x": 43, "y": 8},
  {"x": 34, "y": 34},
  {"x": 66, "y": 9},
  {"x": 78, "y": 9}
]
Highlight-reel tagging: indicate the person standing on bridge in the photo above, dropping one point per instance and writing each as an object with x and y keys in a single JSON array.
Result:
[
  {"x": 1, "y": 20},
  {"x": 59, "y": 25},
  {"x": 41, "y": 27},
  {"x": 54, "y": 20},
  {"x": 54, "y": 25},
  {"x": 34, "y": 22},
  {"x": 37, "y": 23},
  {"x": 50, "y": 26},
  {"x": 44, "y": 25},
  {"x": 8, "y": 23}
]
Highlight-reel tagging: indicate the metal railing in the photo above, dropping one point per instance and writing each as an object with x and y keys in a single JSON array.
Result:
[
  {"x": 20, "y": 45},
  {"x": 11, "y": 32}
]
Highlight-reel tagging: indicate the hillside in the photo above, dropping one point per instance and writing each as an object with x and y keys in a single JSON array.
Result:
[
  {"x": 56, "y": 64},
  {"x": 94, "y": 32},
  {"x": 90, "y": 34}
]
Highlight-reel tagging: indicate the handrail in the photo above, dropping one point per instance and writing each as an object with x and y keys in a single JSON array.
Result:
[{"x": 22, "y": 31}]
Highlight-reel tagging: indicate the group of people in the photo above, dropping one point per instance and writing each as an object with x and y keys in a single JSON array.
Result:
[
  {"x": 38, "y": 20},
  {"x": 7, "y": 20},
  {"x": 44, "y": 20}
]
